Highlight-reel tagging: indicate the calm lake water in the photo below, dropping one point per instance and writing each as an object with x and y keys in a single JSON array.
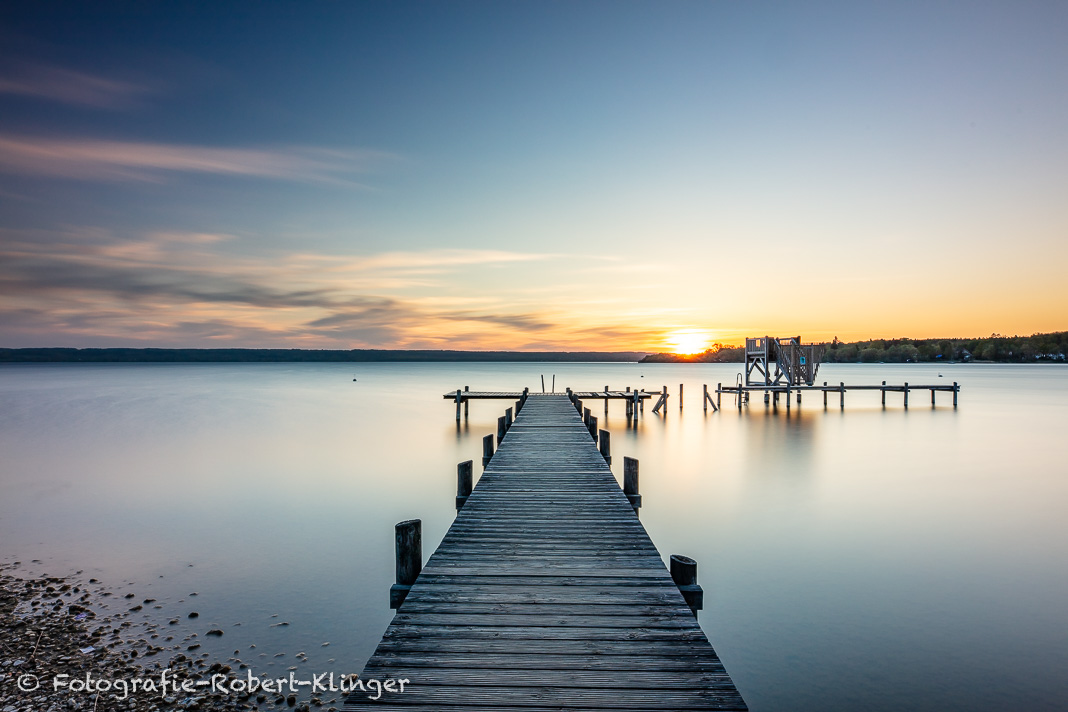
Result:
[{"x": 870, "y": 558}]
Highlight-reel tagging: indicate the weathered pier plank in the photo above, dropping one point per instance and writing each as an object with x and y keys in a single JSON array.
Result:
[{"x": 547, "y": 593}]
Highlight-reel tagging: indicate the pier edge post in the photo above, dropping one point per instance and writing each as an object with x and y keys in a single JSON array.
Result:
[
  {"x": 684, "y": 574},
  {"x": 409, "y": 537},
  {"x": 605, "y": 445},
  {"x": 593, "y": 427},
  {"x": 464, "y": 482},
  {"x": 630, "y": 482},
  {"x": 487, "y": 449},
  {"x": 501, "y": 430}
]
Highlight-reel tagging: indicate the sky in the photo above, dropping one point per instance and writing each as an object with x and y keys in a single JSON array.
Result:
[{"x": 530, "y": 175}]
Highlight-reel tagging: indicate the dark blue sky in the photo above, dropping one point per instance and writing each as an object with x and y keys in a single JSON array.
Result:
[{"x": 186, "y": 173}]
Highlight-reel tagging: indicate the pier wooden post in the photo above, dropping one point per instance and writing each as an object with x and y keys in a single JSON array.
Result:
[
  {"x": 409, "y": 560},
  {"x": 605, "y": 446},
  {"x": 593, "y": 427},
  {"x": 543, "y": 383},
  {"x": 680, "y": 396},
  {"x": 586, "y": 417},
  {"x": 825, "y": 395},
  {"x": 906, "y": 394},
  {"x": 787, "y": 399},
  {"x": 630, "y": 482},
  {"x": 630, "y": 408},
  {"x": 507, "y": 419},
  {"x": 518, "y": 406},
  {"x": 458, "y": 399},
  {"x": 719, "y": 395},
  {"x": 464, "y": 482},
  {"x": 956, "y": 390},
  {"x": 883, "y": 389},
  {"x": 932, "y": 398},
  {"x": 501, "y": 430},
  {"x": 487, "y": 449},
  {"x": 799, "y": 396},
  {"x": 684, "y": 574},
  {"x": 841, "y": 394},
  {"x": 467, "y": 401},
  {"x": 606, "y": 400}
]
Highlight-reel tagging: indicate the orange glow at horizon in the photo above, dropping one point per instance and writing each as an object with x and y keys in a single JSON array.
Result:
[{"x": 688, "y": 341}]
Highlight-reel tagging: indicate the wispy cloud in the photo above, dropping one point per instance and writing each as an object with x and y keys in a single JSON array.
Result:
[
  {"x": 180, "y": 288},
  {"x": 93, "y": 159},
  {"x": 70, "y": 87}
]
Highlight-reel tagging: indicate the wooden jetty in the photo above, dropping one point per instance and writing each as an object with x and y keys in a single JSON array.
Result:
[
  {"x": 772, "y": 393},
  {"x": 635, "y": 398},
  {"x": 547, "y": 593}
]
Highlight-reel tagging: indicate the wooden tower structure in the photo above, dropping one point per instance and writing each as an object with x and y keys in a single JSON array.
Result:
[{"x": 781, "y": 361}]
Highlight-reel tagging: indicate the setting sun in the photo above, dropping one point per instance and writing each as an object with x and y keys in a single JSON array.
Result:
[{"x": 688, "y": 341}]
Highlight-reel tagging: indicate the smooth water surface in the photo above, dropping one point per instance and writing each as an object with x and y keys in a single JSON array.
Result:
[{"x": 864, "y": 558}]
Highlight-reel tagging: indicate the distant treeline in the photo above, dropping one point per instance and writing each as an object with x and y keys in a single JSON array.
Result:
[
  {"x": 1002, "y": 349},
  {"x": 59, "y": 355}
]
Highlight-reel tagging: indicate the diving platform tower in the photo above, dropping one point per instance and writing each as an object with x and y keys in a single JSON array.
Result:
[{"x": 782, "y": 362}]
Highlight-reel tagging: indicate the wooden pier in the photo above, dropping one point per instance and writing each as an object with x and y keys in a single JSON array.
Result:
[
  {"x": 547, "y": 593},
  {"x": 772, "y": 393}
]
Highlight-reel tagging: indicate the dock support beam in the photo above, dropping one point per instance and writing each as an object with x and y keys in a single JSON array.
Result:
[
  {"x": 684, "y": 574},
  {"x": 409, "y": 560},
  {"x": 606, "y": 400},
  {"x": 883, "y": 389},
  {"x": 956, "y": 390},
  {"x": 501, "y": 430},
  {"x": 708, "y": 399},
  {"x": 464, "y": 482},
  {"x": 825, "y": 395},
  {"x": 592, "y": 425},
  {"x": 680, "y": 396},
  {"x": 487, "y": 449},
  {"x": 507, "y": 419},
  {"x": 467, "y": 403},
  {"x": 906, "y": 394},
  {"x": 630, "y": 482},
  {"x": 841, "y": 395},
  {"x": 459, "y": 398},
  {"x": 605, "y": 446}
]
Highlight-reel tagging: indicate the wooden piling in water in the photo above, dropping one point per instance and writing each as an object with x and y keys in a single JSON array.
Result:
[
  {"x": 586, "y": 417},
  {"x": 501, "y": 430},
  {"x": 593, "y": 427},
  {"x": 464, "y": 482},
  {"x": 906, "y": 394},
  {"x": 956, "y": 390},
  {"x": 409, "y": 534},
  {"x": 680, "y": 396},
  {"x": 467, "y": 402},
  {"x": 719, "y": 394},
  {"x": 605, "y": 445},
  {"x": 630, "y": 482},
  {"x": 487, "y": 449},
  {"x": 684, "y": 574},
  {"x": 458, "y": 399},
  {"x": 841, "y": 394},
  {"x": 606, "y": 400},
  {"x": 932, "y": 398},
  {"x": 825, "y": 395},
  {"x": 507, "y": 419},
  {"x": 883, "y": 390}
]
